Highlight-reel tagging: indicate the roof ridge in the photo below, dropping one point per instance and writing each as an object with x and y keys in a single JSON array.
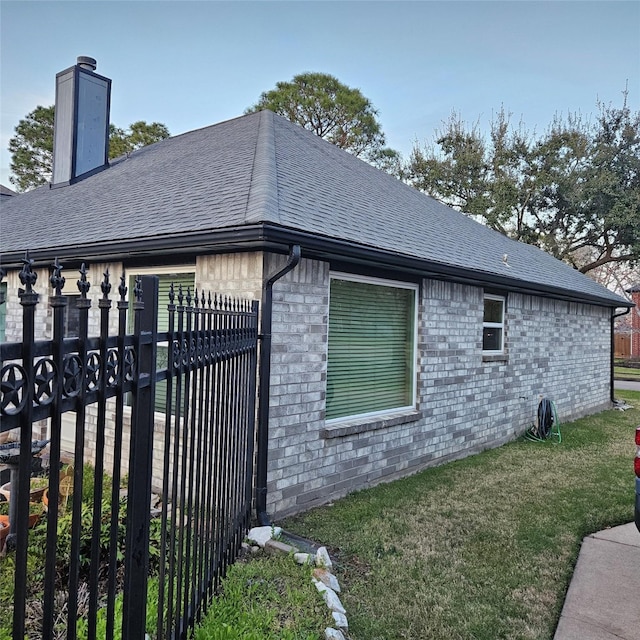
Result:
[{"x": 262, "y": 202}]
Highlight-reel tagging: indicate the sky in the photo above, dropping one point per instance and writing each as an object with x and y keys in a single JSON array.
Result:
[{"x": 192, "y": 64}]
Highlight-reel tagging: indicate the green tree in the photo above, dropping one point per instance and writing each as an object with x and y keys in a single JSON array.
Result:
[
  {"x": 573, "y": 191},
  {"x": 32, "y": 146},
  {"x": 319, "y": 102},
  {"x": 31, "y": 149},
  {"x": 140, "y": 134}
]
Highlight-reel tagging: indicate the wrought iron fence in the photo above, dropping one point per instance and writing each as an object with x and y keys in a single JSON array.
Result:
[{"x": 113, "y": 565}]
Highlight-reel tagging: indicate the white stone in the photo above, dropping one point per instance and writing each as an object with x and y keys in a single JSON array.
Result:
[
  {"x": 332, "y": 600},
  {"x": 323, "y": 559},
  {"x": 319, "y": 585},
  {"x": 327, "y": 577},
  {"x": 304, "y": 558},
  {"x": 340, "y": 620},
  {"x": 260, "y": 535},
  {"x": 333, "y": 634}
]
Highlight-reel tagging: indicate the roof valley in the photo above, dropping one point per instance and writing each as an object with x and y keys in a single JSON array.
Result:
[{"x": 262, "y": 202}]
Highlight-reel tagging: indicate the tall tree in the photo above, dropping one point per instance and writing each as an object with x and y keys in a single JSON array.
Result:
[
  {"x": 138, "y": 135},
  {"x": 32, "y": 146},
  {"x": 574, "y": 191},
  {"x": 340, "y": 114},
  {"x": 31, "y": 149}
]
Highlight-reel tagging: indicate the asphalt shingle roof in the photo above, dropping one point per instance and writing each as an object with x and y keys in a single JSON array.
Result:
[{"x": 262, "y": 169}]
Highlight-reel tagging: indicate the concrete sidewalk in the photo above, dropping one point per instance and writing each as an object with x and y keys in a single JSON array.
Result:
[{"x": 603, "y": 601}]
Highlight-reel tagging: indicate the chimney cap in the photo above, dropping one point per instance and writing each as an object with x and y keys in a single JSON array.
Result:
[{"x": 87, "y": 62}]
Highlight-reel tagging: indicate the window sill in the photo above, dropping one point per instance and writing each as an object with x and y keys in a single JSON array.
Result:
[
  {"x": 498, "y": 357},
  {"x": 363, "y": 425}
]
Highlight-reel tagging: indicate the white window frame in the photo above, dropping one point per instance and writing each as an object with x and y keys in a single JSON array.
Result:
[
  {"x": 494, "y": 325},
  {"x": 398, "y": 284}
]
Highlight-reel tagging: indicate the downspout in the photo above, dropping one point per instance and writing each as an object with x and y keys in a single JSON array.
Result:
[
  {"x": 265, "y": 375},
  {"x": 613, "y": 346}
]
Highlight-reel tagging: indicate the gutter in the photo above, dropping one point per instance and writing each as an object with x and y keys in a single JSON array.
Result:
[
  {"x": 613, "y": 347},
  {"x": 272, "y": 237},
  {"x": 264, "y": 388}
]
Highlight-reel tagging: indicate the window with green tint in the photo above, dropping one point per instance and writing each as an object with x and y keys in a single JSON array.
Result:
[
  {"x": 371, "y": 351},
  {"x": 3, "y": 310},
  {"x": 187, "y": 281}
]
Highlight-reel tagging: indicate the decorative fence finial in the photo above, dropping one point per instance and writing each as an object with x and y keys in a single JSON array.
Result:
[
  {"x": 137, "y": 289},
  {"x": 57, "y": 280},
  {"x": 122, "y": 288},
  {"x": 83, "y": 284},
  {"x": 28, "y": 277},
  {"x": 105, "y": 285}
]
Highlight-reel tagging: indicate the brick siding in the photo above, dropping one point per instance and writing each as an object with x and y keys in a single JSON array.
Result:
[{"x": 465, "y": 403}]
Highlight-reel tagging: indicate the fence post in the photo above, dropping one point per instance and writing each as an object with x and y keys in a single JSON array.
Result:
[
  {"x": 140, "y": 460},
  {"x": 28, "y": 300}
]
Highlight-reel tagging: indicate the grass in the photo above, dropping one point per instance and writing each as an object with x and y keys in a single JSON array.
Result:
[
  {"x": 482, "y": 548},
  {"x": 268, "y": 598},
  {"x": 626, "y": 372}
]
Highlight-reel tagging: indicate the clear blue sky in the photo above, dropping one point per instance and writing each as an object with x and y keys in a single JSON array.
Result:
[{"x": 192, "y": 64}]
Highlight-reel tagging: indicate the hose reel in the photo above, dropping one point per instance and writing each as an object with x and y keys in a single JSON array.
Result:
[{"x": 547, "y": 425}]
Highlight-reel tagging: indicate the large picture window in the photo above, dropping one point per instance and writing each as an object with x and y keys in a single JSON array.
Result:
[
  {"x": 493, "y": 325},
  {"x": 372, "y": 341}
]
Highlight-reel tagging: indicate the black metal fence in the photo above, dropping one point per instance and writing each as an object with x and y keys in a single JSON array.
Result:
[{"x": 115, "y": 559}]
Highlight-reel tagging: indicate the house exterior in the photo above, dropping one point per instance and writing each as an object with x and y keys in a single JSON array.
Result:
[{"x": 405, "y": 336}]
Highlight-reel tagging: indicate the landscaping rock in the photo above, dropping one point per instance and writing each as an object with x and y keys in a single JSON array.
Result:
[
  {"x": 320, "y": 586},
  {"x": 304, "y": 558},
  {"x": 323, "y": 559},
  {"x": 260, "y": 535},
  {"x": 327, "y": 578},
  {"x": 340, "y": 620},
  {"x": 333, "y": 634},
  {"x": 275, "y": 547},
  {"x": 332, "y": 600}
]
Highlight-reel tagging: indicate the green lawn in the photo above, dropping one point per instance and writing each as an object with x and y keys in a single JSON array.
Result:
[
  {"x": 626, "y": 372},
  {"x": 479, "y": 549},
  {"x": 482, "y": 548}
]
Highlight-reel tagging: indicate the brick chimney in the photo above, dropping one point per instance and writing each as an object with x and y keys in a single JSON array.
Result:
[
  {"x": 81, "y": 127},
  {"x": 635, "y": 321}
]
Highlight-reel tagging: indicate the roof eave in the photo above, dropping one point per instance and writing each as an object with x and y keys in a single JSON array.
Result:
[
  {"x": 273, "y": 237},
  {"x": 332, "y": 249}
]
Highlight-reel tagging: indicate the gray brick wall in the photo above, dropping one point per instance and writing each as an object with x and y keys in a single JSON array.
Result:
[{"x": 464, "y": 403}]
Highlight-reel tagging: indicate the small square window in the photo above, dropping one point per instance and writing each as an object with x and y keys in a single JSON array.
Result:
[{"x": 493, "y": 324}]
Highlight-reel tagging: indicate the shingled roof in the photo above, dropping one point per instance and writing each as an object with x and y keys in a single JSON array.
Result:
[{"x": 259, "y": 181}]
